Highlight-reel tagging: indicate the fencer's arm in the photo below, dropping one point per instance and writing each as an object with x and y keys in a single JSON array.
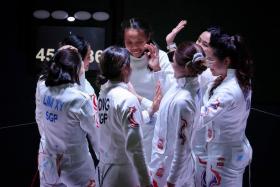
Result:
[
  {"x": 148, "y": 107},
  {"x": 166, "y": 75},
  {"x": 131, "y": 120},
  {"x": 171, "y": 36},
  {"x": 88, "y": 122}
]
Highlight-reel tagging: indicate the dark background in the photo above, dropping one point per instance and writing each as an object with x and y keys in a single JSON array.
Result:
[{"x": 258, "y": 22}]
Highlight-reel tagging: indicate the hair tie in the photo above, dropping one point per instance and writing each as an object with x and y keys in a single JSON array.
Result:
[{"x": 198, "y": 56}]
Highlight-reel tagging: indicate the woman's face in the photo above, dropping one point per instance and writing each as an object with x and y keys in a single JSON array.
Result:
[
  {"x": 88, "y": 58},
  {"x": 134, "y": 41},
  {"x": 217, "y": 67},
  {"x": 204, "y": 40}
]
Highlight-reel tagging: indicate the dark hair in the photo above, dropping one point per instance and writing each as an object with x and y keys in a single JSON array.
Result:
[
  {"x": 112, "y": 60},
  {"x": 63, "y": 68},
  {"x": 214, "y": 30},
  {"x": 235, "y": 49},
  {"x": 77, "y": 41},
  {"x": 190, "y": 54},
  {"x": 138, "y": 24}
]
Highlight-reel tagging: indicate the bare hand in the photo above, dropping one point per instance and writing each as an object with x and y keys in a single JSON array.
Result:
[
  {"x": 157, "y": 99},
  {"x": 171, "y": 36},
  {"x": 154, "y": 57}
]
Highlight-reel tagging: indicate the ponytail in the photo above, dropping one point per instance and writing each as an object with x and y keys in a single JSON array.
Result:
[{"x": 234, "y": 48}]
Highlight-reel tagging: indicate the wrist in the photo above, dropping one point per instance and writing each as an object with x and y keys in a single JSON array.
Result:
[{"x": 171, "y": 47}]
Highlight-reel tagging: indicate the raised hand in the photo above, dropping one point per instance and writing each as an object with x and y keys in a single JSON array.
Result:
[
  {"x": 157, "y": 99},
  {"x": 153, "y": 57},
  {"x": 171, "y": 36}
]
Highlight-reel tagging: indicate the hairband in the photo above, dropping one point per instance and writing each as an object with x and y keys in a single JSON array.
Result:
[{"x": 198, "y": 56}]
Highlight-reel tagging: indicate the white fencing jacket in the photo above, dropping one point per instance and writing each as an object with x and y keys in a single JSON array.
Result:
[
  {"x": 205, "y": 80},
  {"x": 171, "y": 152},
  {"x": 86, "y": 87},
  {"x": 65, "y": 116},
  {"x": 229, "y": 106},
  {"x": 225, "y": 115},
  {"x": 144, "y": 82},
  {"x": 120, "y": 136}
]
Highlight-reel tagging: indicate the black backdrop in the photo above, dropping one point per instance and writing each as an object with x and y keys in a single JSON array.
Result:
[{"x": 257, "y": 21}]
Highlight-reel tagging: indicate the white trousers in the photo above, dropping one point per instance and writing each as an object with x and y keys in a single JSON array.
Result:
[
  {"x": 223, "y": 164},
  {"x": 71, "y": 170},
  {"x": 116, "y": 175}
]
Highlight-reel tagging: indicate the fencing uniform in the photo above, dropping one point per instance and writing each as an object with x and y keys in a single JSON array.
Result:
[
  {"x": 199, "y": 139},
  {"x": 204, "y": 79},
  {"x": 172, "y": 160},
  {"x": 86, "y": 87},
  {"x": 122, "y": 161},
  {"x": 89, "y": 90},
  {"x": 64, "y": 116},
  {"x": 228, "y": 150},
  {"x": 144, "y": 82}
]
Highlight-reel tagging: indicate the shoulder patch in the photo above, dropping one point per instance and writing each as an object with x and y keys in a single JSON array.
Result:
[{"x": 132, "y": 122}]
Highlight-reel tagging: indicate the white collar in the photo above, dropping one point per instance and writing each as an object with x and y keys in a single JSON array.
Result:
[
  {"x": 140, "y": 63},
  {"x": 115, "y": 84},
  {"x": 230, "y": 74},
  {"x": 186, "y": 81}
]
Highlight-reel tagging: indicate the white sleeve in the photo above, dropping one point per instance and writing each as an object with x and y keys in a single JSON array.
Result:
[
  {"x": 182, "y": 121},
  {"x": 87, "y": 116},
  {"x": 146, "y": 103},
  {"x": 166, "y": 74},
  {"x": 205, "y": 78},
  {"x": 146, "y": 116},
  {"x": 146, "y": 106},
  {"x": 131, "y": 121}
]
